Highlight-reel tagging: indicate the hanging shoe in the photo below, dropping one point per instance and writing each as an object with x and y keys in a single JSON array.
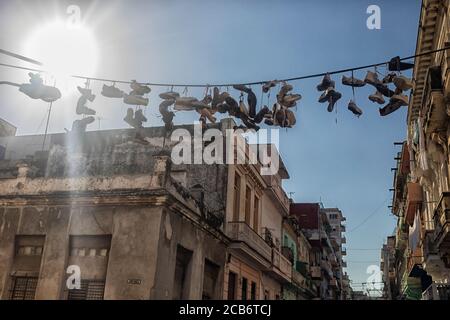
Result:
[
  {"x": 335, "y": 96},
  {"x": 164, "y": 106},
  {"x": 402, "y": 99},
  {"x": 233, "y": 105},
  {"x": 139, "y": 116},
  {"x": 200, "y": 105},
  {"x": 184, "y": 103},
  {"x": 248, "y": 123},
  {"x": 268, "y": 85},
  {"x": 390, "y": 107},
  {"x": 290, "y": 118},
  {"x": 112, "y": 92},
  {"x": 81, "y": 107},
  {"x": 325, "y": 96},
  {"x": 168, "y": 120},
  {"x": 354, "y": 108},
  {"x": 218, "y": 97},
  {"x": 403, "y": 83},
  {"x": 260, "y": 115},
  {"x": 86, "y": 93},
  {"x": 206, "y": 113},
  {"x": 129, "y": 118},
  {"x": 290, "y": 99},
  {"x": 280, "y": 117},
  {"x": 372, "y": 78},
  {"x": 384, "y": 89},
  {"x": 139, "y": 89},
  {"x": 169, "y": 95},
  {"x": 37, "y": 91},
  {"x": 352, "y": 82},
  {"x": 396, "y": 65},
  {"x": 243, "y": 108},
  {"x": 135, "y": 100},
  {"x": 223, "y": 108},
  {"x": 285, "y": 88},
  {"x": 325, "y": 83},
  {"x": 377, "y": 97},
  {"x": 268, "y": 118},
  {"x": 80, "y": 126},
  {"x": 389, "y": 77}
]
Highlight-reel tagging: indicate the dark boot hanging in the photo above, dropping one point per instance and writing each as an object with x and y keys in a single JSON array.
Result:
[{"x": 396, "y": 65}]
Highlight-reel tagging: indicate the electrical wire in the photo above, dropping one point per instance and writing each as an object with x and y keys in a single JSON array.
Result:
[
  {"x": 368, "y": 217},
  {"x": 316, "y": 75}
]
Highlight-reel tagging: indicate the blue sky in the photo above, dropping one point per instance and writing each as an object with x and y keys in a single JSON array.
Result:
[{"x": 333, "y": 157}]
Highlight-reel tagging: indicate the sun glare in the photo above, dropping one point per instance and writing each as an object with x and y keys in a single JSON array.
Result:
[{"x": 64, "y": 50}]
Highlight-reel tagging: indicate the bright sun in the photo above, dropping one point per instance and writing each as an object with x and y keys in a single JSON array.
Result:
[{"x": 64, "y": 50}]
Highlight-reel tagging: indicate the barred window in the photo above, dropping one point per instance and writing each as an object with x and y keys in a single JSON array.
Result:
[
  {"x": 90, "y": 290},
  {"x": 23, "y": 288}
]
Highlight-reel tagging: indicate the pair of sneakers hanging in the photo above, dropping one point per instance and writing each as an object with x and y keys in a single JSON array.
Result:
[
  {"x": 329, "y": 94},
  {"x": 354, "y": 83}
]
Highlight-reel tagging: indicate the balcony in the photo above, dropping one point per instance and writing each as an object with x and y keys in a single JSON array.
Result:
[
  {"x": 413, "y": 201},
  {"x": 281, "y": 266},
  {"x": 247, "y": 241},
  {"x": 442, "y": 222},
  {"x": 298, "y": 278},
  {"x": 344, "y": 264},
  {"x": 343, "y": 240},
  {"x": 414, "y": 261},
  {"x": 343, "y": 228},
  {"x": 344, "y": 252},
  {"x": 315, "y": 272}
]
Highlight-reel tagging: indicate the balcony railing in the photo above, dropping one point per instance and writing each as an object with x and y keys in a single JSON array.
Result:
[
  {"x": 441, "y": 220},
  {"x": 282, "y": 263},
  {"x": 241, "y": 231}
]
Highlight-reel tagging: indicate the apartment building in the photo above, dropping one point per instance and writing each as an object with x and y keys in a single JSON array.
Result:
[
  {"x": 326, "y": 255},
  {"x": 421, "y": 180}
]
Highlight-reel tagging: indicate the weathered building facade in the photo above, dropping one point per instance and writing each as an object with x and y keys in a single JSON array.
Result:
[
  {"x": 421, "y": 181},
  {"x": 116, "y": 209}
]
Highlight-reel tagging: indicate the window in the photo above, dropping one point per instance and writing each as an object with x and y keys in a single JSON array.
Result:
[
  {"x": 91, "y": 254},
  {"x": 244, "y": 289},
  {"x": 237, "y": 197},
  {"x": 210, "y": 275},
  {"x": 90, "y": 290},
  {"x": 25, "y": 268},
  {"x": 256, "y": 215},
  {"x": 232, "y": 285},
  {"x": 23, "y": 288},
  {"x": 253, "y": 291},
  {"x": 248, "y": 197},
  {"x": 184, "y": 257}
]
